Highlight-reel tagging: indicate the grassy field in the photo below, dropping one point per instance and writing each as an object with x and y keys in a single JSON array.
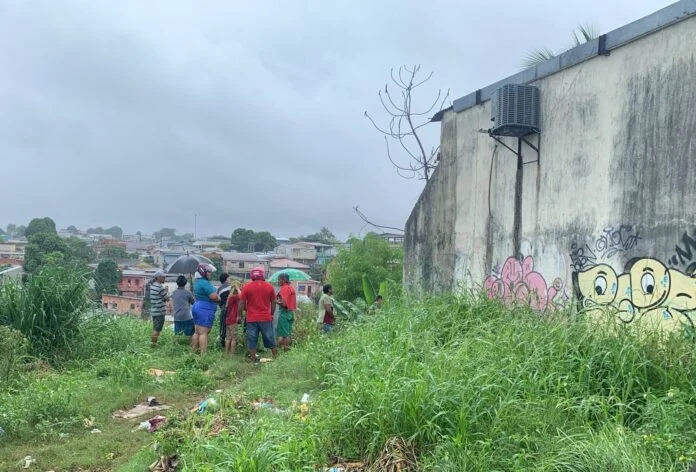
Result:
[{"x": 442, "y": 384}]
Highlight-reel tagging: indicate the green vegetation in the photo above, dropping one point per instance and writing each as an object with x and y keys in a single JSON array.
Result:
[
  {"x": 40, "y": 225},
  {"x": 114, "y": 253},
  {"x": 245, "y": 240},
  {"x": 106, "y": 278},
  {"x": 450, "y": 384},
  {"x": 115, "y": 231},
  {"x": 370, "y": 260},
  {"x": 49, "y": 248}
]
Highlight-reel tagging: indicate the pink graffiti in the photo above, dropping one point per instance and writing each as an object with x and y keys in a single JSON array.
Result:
[{"x": 518, "y": 282}]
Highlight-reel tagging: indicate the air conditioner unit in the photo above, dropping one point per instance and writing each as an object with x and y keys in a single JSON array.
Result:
[{"x": 515, "y": 111}]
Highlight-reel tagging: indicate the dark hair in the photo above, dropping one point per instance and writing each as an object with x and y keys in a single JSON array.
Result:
[
  {"x": 326, "y": 288},
  {"x": 181, "y": 281},
  {"x": 223, "y": 277},
  {"x": 284, "y": 276},
  {"x": 379, "y": 297}
]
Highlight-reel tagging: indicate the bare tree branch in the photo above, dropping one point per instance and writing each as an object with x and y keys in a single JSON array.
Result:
[
  {"x": 364, "y": 218},
  {"x": 405, "y": 122}
]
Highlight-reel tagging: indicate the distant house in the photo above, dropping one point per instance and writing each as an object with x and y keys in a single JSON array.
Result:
[
  {"x": 393, "y": 239},
  {"x": 307, "y": 288},
  {"x": 239, "y": 264},
  {"x": 132, "y": 283},
  {"x": 284, "y": 263},
  {"x": 164, "y": 257},
  {"x": 302, "y": 252},
  {"x": 12, "y": 250},
  {"x": 122, "y": 304}
]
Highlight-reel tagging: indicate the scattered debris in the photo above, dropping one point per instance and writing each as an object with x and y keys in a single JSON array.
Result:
[
  {"x": 160, "y": 373},
  {"x": 305, "y": 398},
  {"x": 266, "y": 404},
  {"x": 95, "y": 431},
  {"x": 396, "y": 456},
  {"x": 209, "y": 404},
  {"x": 2, "y": 431},
  {"x": 28, "y": 461},
  {"x": 347, "y": 467},
  {"x": 164, "y": 464},
  {"x": 263, "y": 360},
  {"x": 88, "y": 422},
  {"x": 142, "y": 409},
  {"x": 152, "y": 424},
  {"x": 218, "y": 391}
]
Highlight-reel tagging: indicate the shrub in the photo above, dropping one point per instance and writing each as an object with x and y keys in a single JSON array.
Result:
[
  {"x": 47, "y": 310},
  {"x": 13, "y": 350}
]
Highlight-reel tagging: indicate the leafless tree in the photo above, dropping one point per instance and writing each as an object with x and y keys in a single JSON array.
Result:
[
  {"x": 405, "y": 123},
  {"x": 375, "y": 225}
]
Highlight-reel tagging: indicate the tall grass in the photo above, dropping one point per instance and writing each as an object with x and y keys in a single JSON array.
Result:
[
  {"x": 475, "y": 386},
  {"x": 48, "y": 310}
]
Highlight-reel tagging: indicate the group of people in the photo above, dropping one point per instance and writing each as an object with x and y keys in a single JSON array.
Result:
[{"x": 251, "y": 305}]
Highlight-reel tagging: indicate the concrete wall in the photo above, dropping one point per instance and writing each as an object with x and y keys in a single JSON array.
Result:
[{"x": 615, "y": 188}]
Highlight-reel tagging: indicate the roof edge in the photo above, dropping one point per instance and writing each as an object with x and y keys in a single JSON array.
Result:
[{"x": 600, "y": 46}]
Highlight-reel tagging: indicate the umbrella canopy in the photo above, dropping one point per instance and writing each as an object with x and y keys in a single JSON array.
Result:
[
  {"x": 187, "y": 264},
  {"x": 294, "y": 274}
]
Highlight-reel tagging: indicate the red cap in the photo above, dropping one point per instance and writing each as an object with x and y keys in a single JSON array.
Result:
[{"x": 257, "y": 273}]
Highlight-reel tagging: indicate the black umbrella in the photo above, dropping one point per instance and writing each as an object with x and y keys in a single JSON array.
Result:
[{"x": 187, "y": 264}]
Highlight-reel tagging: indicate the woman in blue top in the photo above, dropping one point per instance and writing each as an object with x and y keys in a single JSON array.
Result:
[{"x": 204, "y": 308}]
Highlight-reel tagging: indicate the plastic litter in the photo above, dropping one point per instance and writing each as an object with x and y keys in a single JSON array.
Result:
[
  {"x": 2, "y": 431},
  {"x": 88, "y": 422},
  {"x": 141, "y": 409},
  {"x": 152, "y": 424},
  {"x": 268, "y": 406},
  {"x": 305, "y": 398},
  {"x": 28, "y": 461},
  {"x": 95, "y": 431},
  {"x": 209, "y": 404}
]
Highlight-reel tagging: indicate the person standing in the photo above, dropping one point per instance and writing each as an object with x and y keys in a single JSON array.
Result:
[
  {"x": 182, "y": 300},
  {"x": 224, "y": 292},
  {"x": 204, "y": 307},
  {"x": 327, "y": 308},
  {"x": 258, "y": 300},
  {"x": 158, "y": 305},
  {"x": 287, "y": 301},
  {"x": 231, "y": 320}
]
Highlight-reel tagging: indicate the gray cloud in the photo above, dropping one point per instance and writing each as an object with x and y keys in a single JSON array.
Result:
[{"x": 143, "y": 114}]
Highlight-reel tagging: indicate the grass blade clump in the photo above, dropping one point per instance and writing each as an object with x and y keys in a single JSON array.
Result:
[{"x": 47, "y": 310}]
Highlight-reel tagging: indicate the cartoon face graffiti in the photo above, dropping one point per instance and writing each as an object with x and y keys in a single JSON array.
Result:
[
  {"x": 600, "y": 287},
  {"x": 653, "y": 286}
]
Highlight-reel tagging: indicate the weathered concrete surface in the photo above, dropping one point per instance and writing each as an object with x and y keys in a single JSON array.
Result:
[
  {"x": 618, "y": 150},
  {"x": 429, "y": 255}
]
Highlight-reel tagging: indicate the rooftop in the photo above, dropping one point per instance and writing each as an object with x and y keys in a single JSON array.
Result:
[
  {"x": 240, "y": 257},
  {"x": 600, "y": 46}
]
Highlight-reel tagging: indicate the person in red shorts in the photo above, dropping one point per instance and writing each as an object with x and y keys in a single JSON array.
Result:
[
  {"x": 231, "y": 320},
  {"x": 258, "y": 300}
]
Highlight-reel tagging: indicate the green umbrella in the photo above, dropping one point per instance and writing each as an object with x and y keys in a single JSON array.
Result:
[{"x": 294, "y": 274}]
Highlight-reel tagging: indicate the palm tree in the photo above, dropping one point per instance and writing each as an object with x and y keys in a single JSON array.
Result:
[{"x": 581, "y": 34}]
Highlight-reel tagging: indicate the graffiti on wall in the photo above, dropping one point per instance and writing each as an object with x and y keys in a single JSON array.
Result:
[
  {"x": 645, "y": 289},
  {"x": 607, "y": 245},
  {"x": 685, "y": 252},
  {"x": 517, "y": 282}
]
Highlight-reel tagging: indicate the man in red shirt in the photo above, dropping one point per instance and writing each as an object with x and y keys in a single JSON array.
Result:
[
  {"x": 287, "y": 299},
  {"x": 258, "y": 300}
]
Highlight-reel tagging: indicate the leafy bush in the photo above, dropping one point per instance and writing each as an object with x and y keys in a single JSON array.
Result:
[{"x": 48, "y": 310}]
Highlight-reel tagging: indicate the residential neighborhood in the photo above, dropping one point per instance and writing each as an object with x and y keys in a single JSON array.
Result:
[{"x": 140, "y": 256}]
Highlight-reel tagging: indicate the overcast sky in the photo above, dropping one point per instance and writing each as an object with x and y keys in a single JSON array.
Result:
[{"x": 249, "y": 114}]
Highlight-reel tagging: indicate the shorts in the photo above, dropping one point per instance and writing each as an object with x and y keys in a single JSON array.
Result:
[
  {"x": 204, "y": 313},
  {"x": 158, "y": 323},
  {"x": 285, "y": 321},
  {"x": 184, "y": 327},
  {"x": 266, "y": 330},
  {"x": 328, "y": 327},
  {"x": 231, "y": 331}
]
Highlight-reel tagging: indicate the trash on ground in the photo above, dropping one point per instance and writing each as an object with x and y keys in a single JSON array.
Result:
[
  {"x": 209, "y": 404},
  {"x": 141, "y": 409},
  {"x": 95, "y": 431},
  {"x": 263, "y": 360},
  {"x": 160, "y": 373},
  {"x": 164, "y": 464},
  {"x": 2, "y": 431},
  {"x": 347, "y": 467},
  {"x": 88, "y": 422},
  {"x": 28, "y": 461},
  {"x": 267, "y": 405},
  {"x": 152, "y": 424},
  {"x": 305, "y": 398},
  {"x": 218, "y": 391}
]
